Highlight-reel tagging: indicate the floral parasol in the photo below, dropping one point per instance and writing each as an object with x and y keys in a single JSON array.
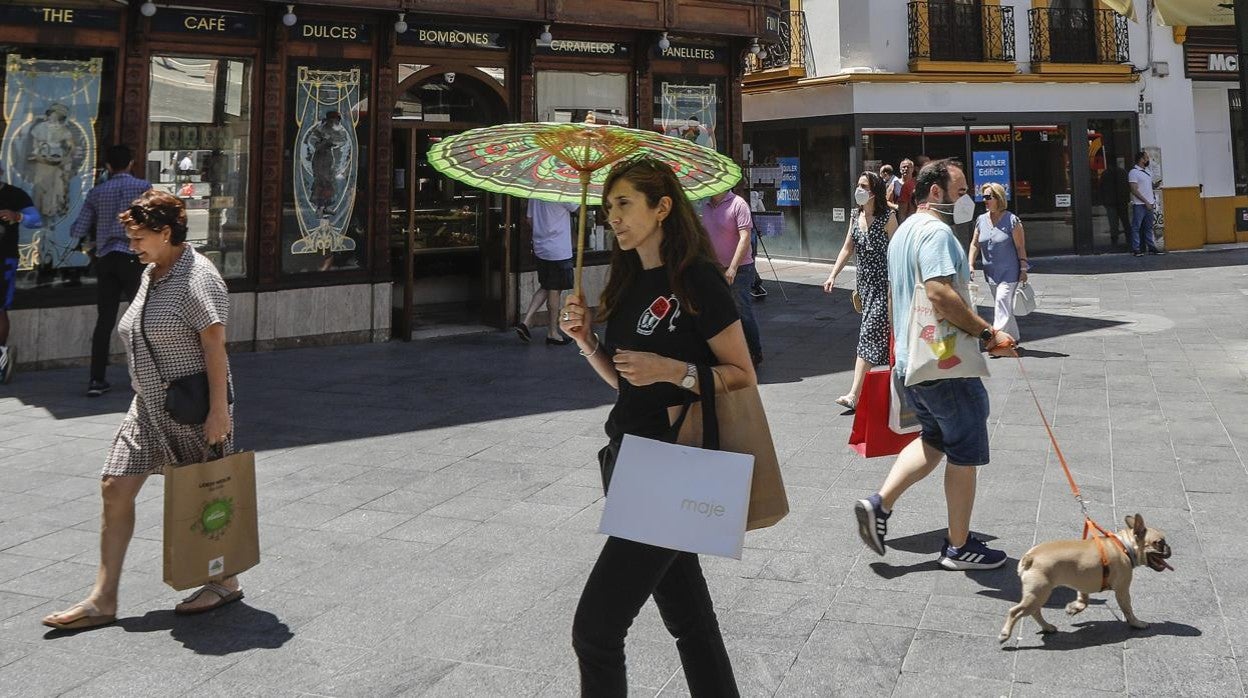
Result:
[{"x": 568, "y": 163}]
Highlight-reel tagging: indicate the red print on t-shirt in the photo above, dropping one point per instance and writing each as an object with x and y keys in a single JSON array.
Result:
[{"x": 658, "y": 310}]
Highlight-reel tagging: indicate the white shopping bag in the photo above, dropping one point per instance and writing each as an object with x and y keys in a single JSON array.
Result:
[
  {"x": 679, "y": 497},
  {"x": 1024, "y": 299}
]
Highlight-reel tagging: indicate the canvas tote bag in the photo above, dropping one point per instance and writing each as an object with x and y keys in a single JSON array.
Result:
[
  {"x": 937, "y": 349},
  {"x": 211, "y": 530},
  {"x": 739, "y": 426}
]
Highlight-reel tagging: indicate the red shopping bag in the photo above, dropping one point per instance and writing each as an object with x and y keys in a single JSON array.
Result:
[{"x": 871, "y": 435}]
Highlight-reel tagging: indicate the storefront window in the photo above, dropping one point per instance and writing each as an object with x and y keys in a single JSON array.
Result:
[
  {"x": 1110, "y": 158},
  {"x": 691, "y": 108},
  {"x": 199, "y": 148},
  {"x": 1043, "y": 190},
  {"x": 57, "y": 115},
  {"x": 1239, "y": 147},
  {"x": 827, "y": 185},
  {"x": 325, "y": 216},
  {"x": 774, "y": 178},
  {"x": 569, "y": 97}
]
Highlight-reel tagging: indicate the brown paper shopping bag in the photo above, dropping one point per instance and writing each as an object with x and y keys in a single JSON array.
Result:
[
  {"x": 743, "y": 428},
  {"x": 210, "y": 520}
]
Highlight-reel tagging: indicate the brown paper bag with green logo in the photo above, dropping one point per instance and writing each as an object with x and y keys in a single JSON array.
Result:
[{"x": 210, "y": 520}]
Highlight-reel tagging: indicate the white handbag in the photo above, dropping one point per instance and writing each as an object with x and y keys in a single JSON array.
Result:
[
  {"x": 936, "y": 348},
  {"x": 1024, "y": 299},
  {"x": 679, "y": 497}
]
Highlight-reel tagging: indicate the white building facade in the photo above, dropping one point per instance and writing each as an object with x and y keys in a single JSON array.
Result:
[{"x": 1051, "y": 98}]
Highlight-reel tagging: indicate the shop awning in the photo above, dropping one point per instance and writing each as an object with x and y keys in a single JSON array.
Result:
[{"x": 1195, "y": 13}]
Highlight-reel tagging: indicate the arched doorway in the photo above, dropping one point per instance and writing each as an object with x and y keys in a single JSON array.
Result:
[{"x": 448, "y": 240}]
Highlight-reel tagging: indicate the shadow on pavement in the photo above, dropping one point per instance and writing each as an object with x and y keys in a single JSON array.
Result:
[
  {"x": 1105, "y": 632},
  {"x": 248, "y": 628},
  {"x": 1125, "y": 264}
]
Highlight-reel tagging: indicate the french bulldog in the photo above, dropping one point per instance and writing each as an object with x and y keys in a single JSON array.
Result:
[{"x": 1077, "y": 564}]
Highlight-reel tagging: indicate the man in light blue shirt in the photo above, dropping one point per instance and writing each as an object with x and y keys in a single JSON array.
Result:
[
  {"x": 953, "y": 413},
  {"x": 551, "y": 225}
]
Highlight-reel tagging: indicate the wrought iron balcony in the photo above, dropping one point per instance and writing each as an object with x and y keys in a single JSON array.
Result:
[
  {"x": 792, "y": 52},
  {"x": 1065, "y": 35},
  {"x": 956, "y": 30}
]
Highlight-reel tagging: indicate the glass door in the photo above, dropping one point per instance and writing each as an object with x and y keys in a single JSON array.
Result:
[{"x": 1109, "y": 159}]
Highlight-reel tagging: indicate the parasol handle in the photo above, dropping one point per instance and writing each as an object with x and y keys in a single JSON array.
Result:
[{"x": 580, "y": 235}]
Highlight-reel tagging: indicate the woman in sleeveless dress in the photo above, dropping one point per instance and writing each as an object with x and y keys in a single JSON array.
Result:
[
  {"x": 872, "y": 225},
  {"x": 1000, "y": 245}
]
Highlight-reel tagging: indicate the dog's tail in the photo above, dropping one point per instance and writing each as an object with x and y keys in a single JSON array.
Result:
[{"x": 1024, "y": 564}]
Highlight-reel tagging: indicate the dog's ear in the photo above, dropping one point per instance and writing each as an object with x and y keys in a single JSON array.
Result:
[{"x": 1136, "y": 524}]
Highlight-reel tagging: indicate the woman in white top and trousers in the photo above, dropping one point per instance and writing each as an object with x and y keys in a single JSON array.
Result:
[{"x": 1001, "y": 246}]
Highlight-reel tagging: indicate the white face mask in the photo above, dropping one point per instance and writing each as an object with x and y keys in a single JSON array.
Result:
[
  {"x": 963, "y": 209},
  {"x": 861, "y": 196}
]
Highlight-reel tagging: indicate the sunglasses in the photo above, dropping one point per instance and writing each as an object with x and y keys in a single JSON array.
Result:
[
  {"x": 989, "y": 196},
  {"x": 140, "y": 216}
]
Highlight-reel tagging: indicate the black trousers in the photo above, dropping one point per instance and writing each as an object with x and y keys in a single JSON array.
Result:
[
  {"x": 117, "y": 275},
  {"x": 626, "y": 574}
]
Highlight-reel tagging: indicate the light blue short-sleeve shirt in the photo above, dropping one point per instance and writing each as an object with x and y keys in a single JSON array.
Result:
[{"x": 938, "y": 254}]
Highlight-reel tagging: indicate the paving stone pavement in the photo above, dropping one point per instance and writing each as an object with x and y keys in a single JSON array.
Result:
[{"x": 428, "y": 516}]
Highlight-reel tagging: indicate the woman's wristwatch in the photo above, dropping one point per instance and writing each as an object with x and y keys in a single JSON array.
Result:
[{"x": 691, "y": 377}]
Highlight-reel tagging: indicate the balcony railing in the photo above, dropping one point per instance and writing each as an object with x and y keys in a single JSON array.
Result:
[
  {"x": 1064, "y": 35},
  {"x": 791, "y": 52},
  {"x": 947, "y": 30}
]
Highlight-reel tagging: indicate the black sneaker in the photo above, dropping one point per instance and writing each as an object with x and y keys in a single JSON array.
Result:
[
  {"x": 872, "y": 522},
  {"x": 98, "y": 388},
  {"x": 8, "y": 361},
  {"x": 1157, "y": 252},
  {"x": 757, "y": 291},
  {"x": 1136, "y": 253},
  {"x": 559, "y": 341},
  {"x": 973, "y": 555}
]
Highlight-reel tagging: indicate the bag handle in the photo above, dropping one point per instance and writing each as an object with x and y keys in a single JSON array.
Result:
[{"x": 710, "y": 422}]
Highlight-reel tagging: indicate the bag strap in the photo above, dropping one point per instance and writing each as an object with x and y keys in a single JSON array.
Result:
[
  {"x": 147, "y": 294},
  {"x": 710, "y": 421}
]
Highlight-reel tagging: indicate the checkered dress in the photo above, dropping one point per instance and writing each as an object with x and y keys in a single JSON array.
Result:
[{"x": 189, "y": 298}]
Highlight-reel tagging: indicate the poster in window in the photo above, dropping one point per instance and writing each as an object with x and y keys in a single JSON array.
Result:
[
  {"x": 48, "y": 148},
  {"x": 327, "y": 155},
  {"x": 690, "y": 112}
]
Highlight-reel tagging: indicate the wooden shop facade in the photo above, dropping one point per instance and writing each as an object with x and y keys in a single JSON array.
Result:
[{"x": 297, "y": 135}]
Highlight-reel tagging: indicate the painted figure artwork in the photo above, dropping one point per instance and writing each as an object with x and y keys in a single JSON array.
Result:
[
  {"x": 326, "y": 163},
  {"x": 689, "y": 112},
  {"x": 50, "y": 109}
]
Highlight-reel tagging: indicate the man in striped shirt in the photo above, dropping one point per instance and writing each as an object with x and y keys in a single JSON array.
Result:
[{"x": 117, "y": 270}]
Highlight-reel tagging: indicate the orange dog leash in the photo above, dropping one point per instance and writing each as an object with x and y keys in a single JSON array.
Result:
[{"x": 1088, "y": 523}]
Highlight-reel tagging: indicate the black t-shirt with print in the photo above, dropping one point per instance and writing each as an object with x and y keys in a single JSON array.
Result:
[
  {"x": 649, "y": 318},
  {"x": 11, "y": 199}
]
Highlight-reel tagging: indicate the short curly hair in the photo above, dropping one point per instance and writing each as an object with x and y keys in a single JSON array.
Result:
[{"x": 157, "y": 210}]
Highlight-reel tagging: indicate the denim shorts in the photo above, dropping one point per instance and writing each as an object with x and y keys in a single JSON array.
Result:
[{"x": 954, "y": 416}]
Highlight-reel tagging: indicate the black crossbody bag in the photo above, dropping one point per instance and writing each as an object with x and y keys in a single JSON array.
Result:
[{"x": 186, "y": 398}]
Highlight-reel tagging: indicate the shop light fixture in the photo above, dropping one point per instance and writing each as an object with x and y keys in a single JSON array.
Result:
[
  {"x": 546, "y": 37},
  {"x": 400, "y": 27},
  {"x": 664, "y": 42},
  {"x": 290, "y": 18},
  {"x": 147, "y": 9},
  {"x": 755, "y": 48}
]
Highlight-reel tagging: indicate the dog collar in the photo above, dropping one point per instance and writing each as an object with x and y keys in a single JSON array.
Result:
[{"x": 1129, "y": 548}]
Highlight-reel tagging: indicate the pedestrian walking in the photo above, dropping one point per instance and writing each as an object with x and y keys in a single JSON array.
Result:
[
  {"x": 17, "y": 209},
  {"x": 871, "y": 227},
  {"x": 727, "y": 220},
  {"x": 1000, "y": 246},
  {"x": 1143, "y": 207},
  {"x": 117, "y": 270},
  {"x": 668, "y": 309},
  {"x": 953, "y": 412},
  {"x": 551, "y": 227},
  {"x": 175, "y": 327},
  {"x": 905, "y": 199}
]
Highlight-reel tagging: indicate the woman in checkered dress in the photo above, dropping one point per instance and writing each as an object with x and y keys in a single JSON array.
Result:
[{"x": 182, "y": 307}]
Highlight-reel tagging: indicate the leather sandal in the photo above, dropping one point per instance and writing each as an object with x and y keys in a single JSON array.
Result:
[
  {"x": 847, "y": 401},
  {"x": 91, "y": 618},
  {"x": 224, "y": 596}
]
